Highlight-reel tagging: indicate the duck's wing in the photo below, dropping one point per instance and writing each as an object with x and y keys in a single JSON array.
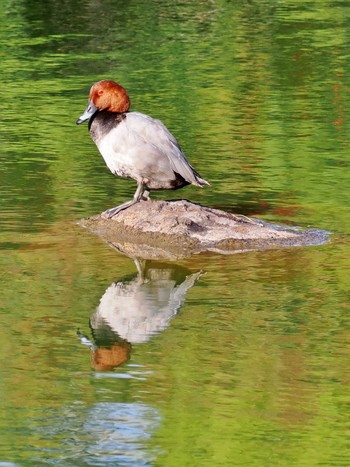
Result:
[{"x": 155, "y": 133}]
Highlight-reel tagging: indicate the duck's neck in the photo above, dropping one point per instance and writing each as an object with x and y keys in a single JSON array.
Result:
[{"x": 104, "y": 121}]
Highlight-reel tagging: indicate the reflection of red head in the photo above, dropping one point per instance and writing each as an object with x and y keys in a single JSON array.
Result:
[{"x": 107, "y": 358}]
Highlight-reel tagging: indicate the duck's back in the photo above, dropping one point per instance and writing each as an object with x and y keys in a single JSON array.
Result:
[{"x": 137, "y": 146}]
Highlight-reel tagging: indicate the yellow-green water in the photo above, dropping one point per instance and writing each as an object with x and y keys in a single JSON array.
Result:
[{"x": 215, "y": 360}]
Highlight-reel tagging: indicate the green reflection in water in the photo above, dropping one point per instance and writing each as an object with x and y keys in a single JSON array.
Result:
[{"x": 252, "y": 368}]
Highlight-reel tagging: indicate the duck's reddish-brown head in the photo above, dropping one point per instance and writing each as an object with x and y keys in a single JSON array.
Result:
[{"x": 106, "y": 95}]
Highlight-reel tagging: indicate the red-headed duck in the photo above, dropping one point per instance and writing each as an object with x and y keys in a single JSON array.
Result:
[{"x": 135, "y": 145}]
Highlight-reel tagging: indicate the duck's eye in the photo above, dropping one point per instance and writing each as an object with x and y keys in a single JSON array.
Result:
[{"x": 100, "y": 92}]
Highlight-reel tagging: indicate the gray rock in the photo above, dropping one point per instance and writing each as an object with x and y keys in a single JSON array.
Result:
[{"x": 177, "y": 229}]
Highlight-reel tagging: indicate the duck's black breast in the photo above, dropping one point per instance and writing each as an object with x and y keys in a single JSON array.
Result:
[{"x": 103, "y": 122}]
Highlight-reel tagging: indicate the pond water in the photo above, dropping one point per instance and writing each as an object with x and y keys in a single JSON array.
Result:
[{"x": 215, "y": 360}]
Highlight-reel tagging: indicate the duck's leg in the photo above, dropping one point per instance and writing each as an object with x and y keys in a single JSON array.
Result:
[
  {"x": 146, "y": 195},
  {"x": 137, "y": 196}
]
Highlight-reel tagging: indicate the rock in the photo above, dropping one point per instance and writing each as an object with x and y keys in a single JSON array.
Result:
[{"x": 179, "y": 228}]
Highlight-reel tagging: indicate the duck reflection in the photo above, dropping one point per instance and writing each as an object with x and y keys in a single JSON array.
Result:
[{"x": 134, "y": 309}]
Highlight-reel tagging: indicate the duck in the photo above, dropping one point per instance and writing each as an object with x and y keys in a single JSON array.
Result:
[{"x": 134, "y": 145}]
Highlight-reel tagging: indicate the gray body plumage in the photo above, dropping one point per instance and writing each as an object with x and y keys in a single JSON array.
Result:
[{"x": 137, "y": 146}]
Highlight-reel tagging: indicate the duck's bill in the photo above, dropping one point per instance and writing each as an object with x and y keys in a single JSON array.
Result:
[{"x": 89, "y": 112}]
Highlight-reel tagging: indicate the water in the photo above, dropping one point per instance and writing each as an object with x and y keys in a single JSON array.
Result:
[{"x": 214, "y": 360}]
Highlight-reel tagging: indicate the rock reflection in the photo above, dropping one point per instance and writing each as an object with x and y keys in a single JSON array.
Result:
[{"x": 134, "y": 309}]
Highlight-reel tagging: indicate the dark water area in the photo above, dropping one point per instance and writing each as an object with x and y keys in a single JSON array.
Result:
[{"x": 213, "y": 360}]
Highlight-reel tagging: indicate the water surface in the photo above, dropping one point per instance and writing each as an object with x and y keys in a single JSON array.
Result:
[{"x": 214, "y": 360}]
